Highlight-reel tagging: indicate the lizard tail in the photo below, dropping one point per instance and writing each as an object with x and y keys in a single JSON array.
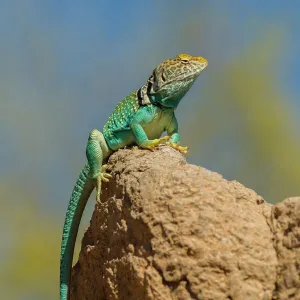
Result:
[{"x": 80, "y": 195}]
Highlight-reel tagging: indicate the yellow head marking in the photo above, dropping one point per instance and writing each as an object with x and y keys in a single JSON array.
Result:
[
  {"x": 184, "y": 56},
  {"x": 187, "y": 57}
]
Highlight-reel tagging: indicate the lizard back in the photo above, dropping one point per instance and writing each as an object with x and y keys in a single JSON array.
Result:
[{"x": 122, "y": 115}]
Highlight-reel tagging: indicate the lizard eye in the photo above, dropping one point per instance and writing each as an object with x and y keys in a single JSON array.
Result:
[
  {"x": 163, "y": 78},
  {"x": 185, "y": 61}
]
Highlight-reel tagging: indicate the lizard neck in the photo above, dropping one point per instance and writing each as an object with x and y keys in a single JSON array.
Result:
[{"x": 145, "y": 98}]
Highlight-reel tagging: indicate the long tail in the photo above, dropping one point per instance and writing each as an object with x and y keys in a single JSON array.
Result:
[{"x": 80, "y": 195}]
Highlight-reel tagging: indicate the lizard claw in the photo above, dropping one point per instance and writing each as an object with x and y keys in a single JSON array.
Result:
[
  {"x": 176, "y": 146},
  {"x": 103, "y": 176}
]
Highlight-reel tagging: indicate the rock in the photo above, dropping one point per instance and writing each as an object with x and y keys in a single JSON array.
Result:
[
  {"x": 285, "y": 223},
  {"x": 166, "y": 229}
]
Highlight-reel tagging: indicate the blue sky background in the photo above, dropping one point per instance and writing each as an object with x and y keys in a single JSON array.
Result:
[{"x": 64, "y": 65}]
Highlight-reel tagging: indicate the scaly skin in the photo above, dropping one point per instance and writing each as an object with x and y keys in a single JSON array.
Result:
[{"x": 139, "y": 119}]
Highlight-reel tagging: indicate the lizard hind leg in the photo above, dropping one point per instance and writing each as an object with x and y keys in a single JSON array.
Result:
[{"x": 97, "y": 151}]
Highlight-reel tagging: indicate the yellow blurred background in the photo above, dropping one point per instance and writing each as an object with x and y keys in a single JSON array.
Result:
[{"x": 66, "y": 64}]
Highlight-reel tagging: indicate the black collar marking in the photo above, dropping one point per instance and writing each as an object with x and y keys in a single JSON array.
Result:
[
  {"x": 140, "y": 97},
  {"x": 149, "y": 86}
]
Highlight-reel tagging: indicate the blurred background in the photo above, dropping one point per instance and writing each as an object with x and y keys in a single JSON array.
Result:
[{"x": 64, "y": 65}]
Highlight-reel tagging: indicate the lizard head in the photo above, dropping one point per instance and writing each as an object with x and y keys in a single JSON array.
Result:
[{"x": 171, "y": 80}]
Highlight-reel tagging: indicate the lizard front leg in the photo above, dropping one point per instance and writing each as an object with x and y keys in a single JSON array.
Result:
[
  {"x": 172, "y": 131},
  {"x": 143, "y": 117},
  {"x": 97, "y": 151}
]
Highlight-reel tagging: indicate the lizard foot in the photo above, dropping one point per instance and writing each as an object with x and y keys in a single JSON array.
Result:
[
  {"x": 103, "y": 176},
  {"x": 152, "y": 144},
  {"x": 176, "y": 146}
]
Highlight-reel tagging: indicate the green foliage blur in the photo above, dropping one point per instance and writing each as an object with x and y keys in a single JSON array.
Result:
[{"x": 64, "y": 66}]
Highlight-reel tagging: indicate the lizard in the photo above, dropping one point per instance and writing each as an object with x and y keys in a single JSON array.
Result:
[{"x": 139, "y": 119}]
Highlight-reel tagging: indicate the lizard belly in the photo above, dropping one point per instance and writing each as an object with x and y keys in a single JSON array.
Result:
[
  {"x": 126, "y": 138},
  {"x": 155, "y": 129}
]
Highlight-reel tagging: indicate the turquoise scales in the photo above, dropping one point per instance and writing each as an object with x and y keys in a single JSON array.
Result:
[
  {"x": 121, "y": 116},
  {"x": 140, "y": 118}
]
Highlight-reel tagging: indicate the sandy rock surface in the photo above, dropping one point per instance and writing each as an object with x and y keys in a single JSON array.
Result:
[{"x": 167, "y": 229}]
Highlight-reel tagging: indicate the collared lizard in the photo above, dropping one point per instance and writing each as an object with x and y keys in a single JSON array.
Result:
[{"x": 139, "y": 119}]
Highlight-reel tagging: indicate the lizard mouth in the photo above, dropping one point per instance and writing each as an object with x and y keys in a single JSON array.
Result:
[
  {"x": 204, "y": 65},
  {"x": 180, "y": 77}
]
